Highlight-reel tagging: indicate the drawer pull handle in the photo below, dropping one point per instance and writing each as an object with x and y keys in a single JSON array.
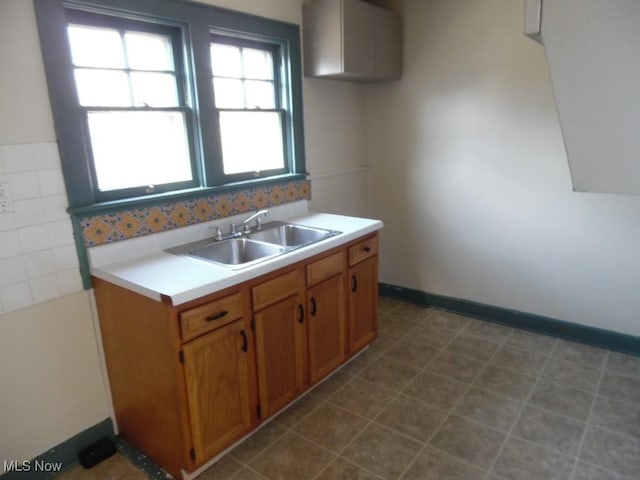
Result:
[
  {"x": 354, "y": 283},
  {"x": 245, "y": 341},
  {"x": 367, "y": 249},
  {"x": 217, "y": 316},
  {"x": 314, "y": 306},
  {"x": 301, "y": 317}
]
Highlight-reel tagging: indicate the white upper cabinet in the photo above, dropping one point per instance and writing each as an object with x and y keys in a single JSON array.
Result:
[{"x": 351, "y": 40}]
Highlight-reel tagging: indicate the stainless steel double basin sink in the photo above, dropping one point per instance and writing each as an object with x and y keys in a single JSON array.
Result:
[{"x": 271, "y": 240}]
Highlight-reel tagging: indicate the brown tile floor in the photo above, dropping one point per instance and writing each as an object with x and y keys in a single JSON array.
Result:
[{"x": 441, "y": 396}]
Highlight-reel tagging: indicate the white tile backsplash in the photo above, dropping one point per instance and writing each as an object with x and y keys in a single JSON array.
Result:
[
  {"x": 65, "y": 257},
  {"x": 55, "y": 208},
  {"x": 12, "y": 270},
  {"x": 15, "y": 296},
  {"x": 38, "y": 259},
  {"x": 44, "y": 288},
  {"x": 24, "y": 185},
  {"x": 40, "y": 264},
  {"x": 60, "y": 233},
  {"x": 18, "y": 158},
  {"x": 7, "y": 221},
  {"x": 70, "y": 281},
  {"x": 51, "y": 182},
  {"x": 45, "y": 155},
  {"x": 29, "y": 212},
  {"x": 9, "y": 244},
  {"x": 34, "y": 239}
]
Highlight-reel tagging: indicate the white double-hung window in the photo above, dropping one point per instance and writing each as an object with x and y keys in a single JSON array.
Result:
[
  {"x": 165, "y": 98},
  {"x": 132, "y": 102},
  {"x": 245, "y": 85}
]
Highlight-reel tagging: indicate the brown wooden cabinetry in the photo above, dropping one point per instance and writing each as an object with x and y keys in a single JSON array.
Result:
[
  {"x": 188, "y": 381},
  {"x": 280, "y": 341},
  {"x": 326, "y": 316},
  {"x": 363, "y": 293},
  {"x": 216, "y": 371}
]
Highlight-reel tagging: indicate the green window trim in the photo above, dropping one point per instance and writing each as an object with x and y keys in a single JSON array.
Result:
[{"x": 196, "y": 24}]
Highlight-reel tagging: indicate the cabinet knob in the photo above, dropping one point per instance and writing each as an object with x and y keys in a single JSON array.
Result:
[
  {"x": 301, "y": 317},
  {"x": 367, "y": 249},
  {"x": 354, "y": 283}
]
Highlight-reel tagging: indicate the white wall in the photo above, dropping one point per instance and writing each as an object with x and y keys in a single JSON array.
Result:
[
  {"x": 52, "y": 383},
  {"x": 334, "y": 130},
  {"x": 52, "y": 387},
  {"x": 469, "y": 174}
]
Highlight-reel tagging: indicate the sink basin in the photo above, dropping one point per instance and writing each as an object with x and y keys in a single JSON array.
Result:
[
  {"x": 273, "y": 239},
  {"x": 234, "y": 252},
  {"x": 290, "y": 235}
]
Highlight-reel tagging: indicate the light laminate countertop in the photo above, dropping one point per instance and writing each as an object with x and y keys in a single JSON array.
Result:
[{"x": 161, "y": 275}]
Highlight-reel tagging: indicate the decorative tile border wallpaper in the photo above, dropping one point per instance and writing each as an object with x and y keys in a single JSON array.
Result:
[{"x": 113, "y": 227}]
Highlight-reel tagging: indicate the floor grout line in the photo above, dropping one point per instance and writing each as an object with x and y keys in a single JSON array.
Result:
[
  {"x": 519, "y": 416},
  {"x": 412, "y": 319},
  {"x": 588, "y": 419},
  {"x": 453, "y": 406}
]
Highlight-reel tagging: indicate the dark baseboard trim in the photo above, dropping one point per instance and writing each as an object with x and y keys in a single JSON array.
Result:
[
  {"x": 558, "y": 328},
  {"x": 64, "y": 454}
]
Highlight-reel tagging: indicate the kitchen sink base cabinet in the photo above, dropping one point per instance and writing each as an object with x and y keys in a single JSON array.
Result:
[
  {"x": 280, "y": 351},
  {"x": 188, "y": 381},
  {"x": 216, "y": 371}
]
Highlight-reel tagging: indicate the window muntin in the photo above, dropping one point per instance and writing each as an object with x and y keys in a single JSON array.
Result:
[
  {"x": 129, "y": 92},
  {"x": 247, "y": 97},
  {"x": 139, "y": 66}
]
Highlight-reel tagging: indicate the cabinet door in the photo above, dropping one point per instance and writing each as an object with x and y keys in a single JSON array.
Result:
[
  {"x": 326, "y": 327},
  {"x": 280, "y": 350},
  {"x": 217, "y": 378},
  {"x": 363, "y": 304}
]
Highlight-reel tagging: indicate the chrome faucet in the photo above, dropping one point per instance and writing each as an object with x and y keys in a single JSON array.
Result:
[{"x": 257, "y": 215}]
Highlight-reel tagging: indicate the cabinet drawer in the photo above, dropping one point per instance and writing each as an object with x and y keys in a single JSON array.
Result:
[
  {"x": 275, "y": 290},
  {"x": 210, "y": 316},
  {"x": 363, "y": 250},
  {"x": 325, "y": 268}
]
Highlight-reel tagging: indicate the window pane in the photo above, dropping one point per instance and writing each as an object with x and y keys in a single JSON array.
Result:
[
  {"x": 154, "y": 89},
  {"x": 95, "y": 47},
  {"x": 104, "y": 88},
  {"x": 132, "y": 149},
  {"x": 228, "y": 93},
  {"x": 147, "y": 51},
  {"x": 225, "y": 60},
  {"x": 259, "y": 94},
  {"x": 257, "y": 63},
  {"x": 251, "y": 141}
]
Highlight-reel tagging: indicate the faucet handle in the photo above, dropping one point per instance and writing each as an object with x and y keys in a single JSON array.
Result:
[
  {"x": 218, "y": 235},
  {"x": 234, "y": 228}
]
